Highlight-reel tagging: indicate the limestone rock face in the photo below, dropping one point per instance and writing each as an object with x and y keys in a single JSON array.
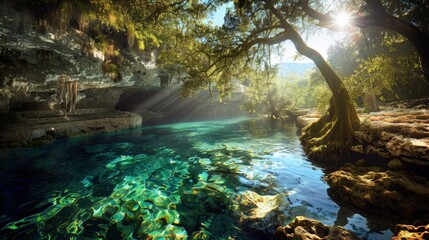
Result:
[
  {"x": 379, "y": 191},
  {"x": 303, "y": 228},
  {"x": 31, "y": 63},
  {"x": 403, "y": 231},
  {"x": 402, "y": 134}
]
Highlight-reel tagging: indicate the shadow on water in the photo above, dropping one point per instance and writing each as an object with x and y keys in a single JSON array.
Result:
[{"x": 184, "y": 179}]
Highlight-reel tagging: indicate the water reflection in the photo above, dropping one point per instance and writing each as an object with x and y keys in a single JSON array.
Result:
[{"x": 194, "y": 180}]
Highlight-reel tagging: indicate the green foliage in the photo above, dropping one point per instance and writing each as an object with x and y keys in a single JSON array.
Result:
[
  {"x": 378, "y": 66},
  {"x": 383, "y": 75},
  {"x": 318, "y": 93},
  {"x": 268, "y": 94}
]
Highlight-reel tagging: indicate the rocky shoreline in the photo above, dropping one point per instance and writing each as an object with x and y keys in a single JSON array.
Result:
[
  {"x": 389, "y": 175},
  {"x": 398, "y": 136}
]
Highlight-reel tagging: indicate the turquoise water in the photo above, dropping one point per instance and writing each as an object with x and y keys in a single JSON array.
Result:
[{"x": 226, "y": 179}]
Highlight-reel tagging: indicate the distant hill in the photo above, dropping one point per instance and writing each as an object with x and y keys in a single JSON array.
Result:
[{"x": 294, "y": 68}]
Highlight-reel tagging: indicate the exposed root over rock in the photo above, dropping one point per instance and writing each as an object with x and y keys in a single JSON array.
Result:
[{"x": 330, "y": 138}]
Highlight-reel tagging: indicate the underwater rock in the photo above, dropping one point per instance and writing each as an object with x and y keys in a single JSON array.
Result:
[
  {"x": 120, "y": 162},
  {"x": 258, "y": 206},
  {"x": 258, "y": 213},
  {"x": 303, "y": 228},
  {"x": 61, "y": 219},
  {"x": 166, "y": 216},
  {"x": 200, "y": 203},
  {"x": 102, "y": 190},
  {"x": 379, "y": 191},
  {"x": 169, "y": 232},
  {"x": 214, "y": 187},
  {"x": 120, "y": 231},
  {"x": 148, "y": 227},
  {"x": 403, "y": 231},
  {"x": 159, "y": 198},
  {"x": 203, "y": 176},
  {"x": 95, "y": 228},
  {"x": 200, "y": 235}
]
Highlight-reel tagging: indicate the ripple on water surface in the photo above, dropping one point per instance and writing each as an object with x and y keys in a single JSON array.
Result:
[{"x": 237, "y": 178}]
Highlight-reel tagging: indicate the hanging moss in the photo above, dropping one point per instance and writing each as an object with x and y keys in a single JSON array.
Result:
[
  {"x": 130, "y": 34},
  {"x": 63, "y": 16},
  {"x": 140, "y": 40},
  {"x": 111, "y": 70}
]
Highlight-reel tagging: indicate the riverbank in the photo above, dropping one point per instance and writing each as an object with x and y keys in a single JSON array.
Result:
[
  {"x": 388, "y": 174},
  {"x": 398, "y": 136}
]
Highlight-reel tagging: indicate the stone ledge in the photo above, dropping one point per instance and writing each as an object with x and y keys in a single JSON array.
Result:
[
  {"x": 376, "y": 190},
  {"x": 30, "y": 132}
]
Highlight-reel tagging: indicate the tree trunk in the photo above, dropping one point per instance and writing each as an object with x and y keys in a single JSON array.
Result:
[
  {"x": 330, "y": 138},
  {"x": 370, "y": 100}
]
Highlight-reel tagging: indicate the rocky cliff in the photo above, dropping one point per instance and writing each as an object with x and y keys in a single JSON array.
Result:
[{"x": 31, "y": 62}]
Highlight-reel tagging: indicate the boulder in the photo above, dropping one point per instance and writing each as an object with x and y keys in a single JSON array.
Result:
[
  {"x": 260, "y": 214},
  {"x": 395, "y": 164},
  {"x": 376, "y": 190},
  {"x": 303, "y": 228}
]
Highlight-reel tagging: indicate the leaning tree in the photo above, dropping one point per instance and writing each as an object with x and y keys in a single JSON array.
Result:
[{"x": 253, "y": 24}]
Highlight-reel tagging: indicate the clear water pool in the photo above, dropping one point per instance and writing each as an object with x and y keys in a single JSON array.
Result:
[{"x": 226, "y": 179}]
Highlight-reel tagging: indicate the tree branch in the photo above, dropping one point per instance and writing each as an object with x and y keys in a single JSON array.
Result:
[{"x": 280, "y": 37}]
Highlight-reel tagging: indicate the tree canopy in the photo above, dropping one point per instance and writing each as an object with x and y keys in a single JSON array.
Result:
[{"x": 408, "y": 18}]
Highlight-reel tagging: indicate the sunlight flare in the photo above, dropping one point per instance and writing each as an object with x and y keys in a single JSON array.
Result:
[{"x": 343, "y": 20}]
